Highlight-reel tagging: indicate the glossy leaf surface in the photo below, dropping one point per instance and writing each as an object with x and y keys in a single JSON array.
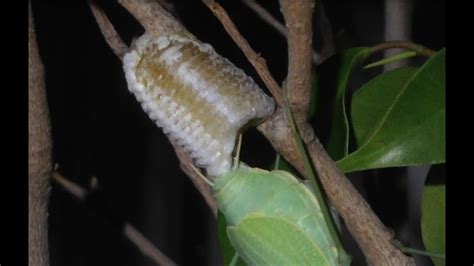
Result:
[{"x": 399, "y": 118}]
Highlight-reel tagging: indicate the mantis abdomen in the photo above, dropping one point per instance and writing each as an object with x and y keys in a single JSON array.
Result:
[{"x": 273, "y": 219}]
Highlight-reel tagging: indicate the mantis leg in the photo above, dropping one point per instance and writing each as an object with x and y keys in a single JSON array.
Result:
[{"x": 235, "y": 163}]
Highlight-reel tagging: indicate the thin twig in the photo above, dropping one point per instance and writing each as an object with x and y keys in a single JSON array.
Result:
[
  {"x": 74, "y": 189},
  {"x": 257, "y": 61},
  {"x": 130, "y": 232},
  {"x": 146, "y": 246},
  {"x": 110, "y": 34},
  {"x": 402, "y": 44},
  {"x": 266, "y": 16},
  {"x": 277, "y": 25},
  {"x": 186, "y": 165}
]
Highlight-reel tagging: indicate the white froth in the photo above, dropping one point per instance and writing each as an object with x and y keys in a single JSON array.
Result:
[{"x": 210, "y": 152}]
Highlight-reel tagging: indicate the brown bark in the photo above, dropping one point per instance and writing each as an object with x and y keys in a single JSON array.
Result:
[
  {"x": 108, "y": 31},
  {"x": 298, "y": 19},
  {"x": 39, "y": 155},
  {"x": 154, "y": 18}
]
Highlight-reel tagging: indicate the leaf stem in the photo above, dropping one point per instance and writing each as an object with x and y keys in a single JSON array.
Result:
[
  {"x": 423, "y": 253},
  {"x": 277, "y": 161}
]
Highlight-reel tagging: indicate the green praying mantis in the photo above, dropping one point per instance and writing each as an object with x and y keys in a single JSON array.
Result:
[{"x": 273, "y": 219}]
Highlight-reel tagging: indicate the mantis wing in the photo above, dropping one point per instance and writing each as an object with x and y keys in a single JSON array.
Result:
[{"x": 266, "y": 240}]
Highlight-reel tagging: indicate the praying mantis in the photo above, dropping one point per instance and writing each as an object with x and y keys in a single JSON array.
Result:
[
  {"x": 272, "y": 218},
  {"x": 202, "y": 101}
]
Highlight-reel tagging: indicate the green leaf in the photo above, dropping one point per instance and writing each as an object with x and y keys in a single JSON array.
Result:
[
  {"x": 371, "y": 103},
  {"x": 399, "y": 118},
  {"x": 338, "y": 142},
  {"x": 433, "y": 228},
  {"x": 228, "y": 252}
]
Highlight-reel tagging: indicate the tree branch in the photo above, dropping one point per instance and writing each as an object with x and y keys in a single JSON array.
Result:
[
  {"x": 39, "y": 154},
  {"x": 145, "y": 246},
  {"x": 168, "y": 6},
  {"x": 299, "y": 18},
  {"x": 257, "y": 61},
  {"x": 154, "y": 18},
  {"x": 110, "y": 34},
  {"x": 374, "y": 239}
]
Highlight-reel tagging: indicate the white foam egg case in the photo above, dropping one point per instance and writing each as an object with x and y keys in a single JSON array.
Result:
[{"x": 200, "y": 99}]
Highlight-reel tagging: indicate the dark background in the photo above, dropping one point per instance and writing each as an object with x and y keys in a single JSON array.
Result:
[{"x": 100, "y": 130}]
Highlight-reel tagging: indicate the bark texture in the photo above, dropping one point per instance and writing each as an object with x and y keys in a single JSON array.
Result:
[{"x": 39, "y": 155}]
